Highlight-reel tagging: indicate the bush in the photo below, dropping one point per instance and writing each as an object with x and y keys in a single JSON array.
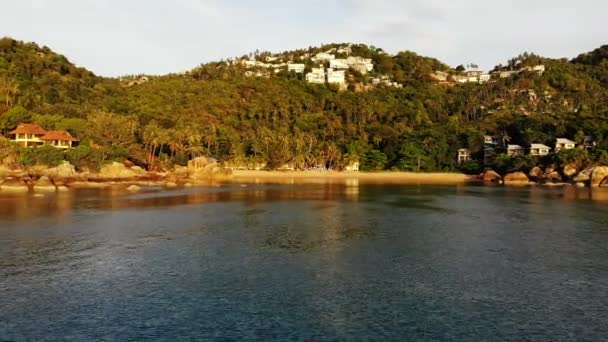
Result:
[
  {"x": 85, "y": 156},
  {"x": 470, "y": 167},
  {"x": 43, "y": 155},
  {"x": 373, "y": 160}
]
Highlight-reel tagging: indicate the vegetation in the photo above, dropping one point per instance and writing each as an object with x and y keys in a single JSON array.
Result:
[{"x": 215, "y": 110}]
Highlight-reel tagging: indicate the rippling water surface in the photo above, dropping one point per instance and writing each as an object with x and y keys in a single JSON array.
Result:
[{"x": 334, "y": 261}]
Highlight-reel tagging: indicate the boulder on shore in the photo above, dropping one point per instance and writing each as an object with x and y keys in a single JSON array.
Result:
[
  {"x": 599, "y": 175},
  {"x": 569, "y": 170},
  {"x": 491, "y": 176},
  {"x": 535, "y": 173},
  {"x": 553, "y": 177},
  {"x": 516, "y": 178},
  {"x": 61, "y": 171},
  {"x": 44, "y": 184},
  {"x": 15, "y": 185},
  {"x": 119, "y": 171},
  {"x": 134, "y": 188}
]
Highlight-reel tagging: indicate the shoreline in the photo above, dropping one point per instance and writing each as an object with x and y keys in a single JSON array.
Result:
[{"x": 371, "y": 177}]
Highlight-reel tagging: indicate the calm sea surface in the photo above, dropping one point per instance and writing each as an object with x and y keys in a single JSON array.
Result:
[{"x": 310, "y": 262}]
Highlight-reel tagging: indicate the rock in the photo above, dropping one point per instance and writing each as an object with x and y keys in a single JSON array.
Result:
[
  {"x": 116, "y": 171},
  {"x": 535, "y": 173},
  {"x": 199, "y": 162},
  {"x": 570, "y": 170},
  {"x": 491, "y": 177},
  {"x": 516, "y": 178},
  {"x": 4, "y": 171},
  {"x": 171, "y": 185},
  {"x": 598, "y": 175},
  {"x": 62, "y": 188},
  {"x": 581, "y": 177},
  {"x": 580, "y": 184},
  {"x": 133, "y": 188},
  {"x": 63, "y": 170},
  {"x": 15, "y": 185},
  {"x": 44, "y": 184},
  {"x": 554, "y": 177}
]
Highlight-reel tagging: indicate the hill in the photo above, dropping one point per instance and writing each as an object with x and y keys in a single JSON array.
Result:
[{"x": 408, "y": 112}]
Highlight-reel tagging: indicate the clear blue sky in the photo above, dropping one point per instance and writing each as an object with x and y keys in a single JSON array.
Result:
[{"x": 118, "y": 37}]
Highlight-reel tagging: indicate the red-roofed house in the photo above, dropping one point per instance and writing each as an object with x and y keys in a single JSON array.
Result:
[
  {"x": 28, "y": 135},
  {"x": 59, "y": 139}
]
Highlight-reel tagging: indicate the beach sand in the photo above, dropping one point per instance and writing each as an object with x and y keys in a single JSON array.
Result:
[{"x": 368, "y": 177}]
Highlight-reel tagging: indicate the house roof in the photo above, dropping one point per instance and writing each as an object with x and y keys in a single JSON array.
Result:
[
  {"x": 58, "y": 135},
  {"x": 539, "y": 146},
  {"x": 514, "y": 147},
  {"x": 29, "y": 129},
  {"x": 463, "y": 150},
  {"x": 565, "y": 141}
]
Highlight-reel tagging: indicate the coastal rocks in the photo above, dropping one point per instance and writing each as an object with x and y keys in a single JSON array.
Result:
[
  {"x": 14, "y": 185},
  {"x": 553, "y": 177},
  {"x": 569, "y": 170},
  {"x": 491, "y": 177},
  {"x": 44, "y": 184},
  {"x": 63, "y": 170},
  {"x": 203, "y": 169},
  {"x": 134, "y": 188},
  {"x": 200, "y": 162},
  {"x": 516, "y": 178},
  {"x": 535, "y": 173},
  {"x": 120, "y": 171},
  {"x": 598, "y": 176}
]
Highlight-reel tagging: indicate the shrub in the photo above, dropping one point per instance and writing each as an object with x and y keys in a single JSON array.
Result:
[{"x": 43, "y": 155}]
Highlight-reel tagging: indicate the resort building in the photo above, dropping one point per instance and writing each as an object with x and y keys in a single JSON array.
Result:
[
  {"x": 539, "y": 150},
  {"x": 59, "y": 139},
  {"x": 317, "y": 75},
  {"x": 336, "y": 76},
  {"x": 323, "y": 57},
  {"x": 296, "y": 67},
  {"x": 339, "y": 64},
  {"x": 515, "y": 150},
  {"x": 28, "y": 135},
  {"x": 464, "y": 154},
  {"x": 564, "y": 144}
]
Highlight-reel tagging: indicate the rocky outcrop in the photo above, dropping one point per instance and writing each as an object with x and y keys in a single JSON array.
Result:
[
  {"x": 44, "y": 184},
  {"x": 200, "y": 162},
  {"x": 491, "y": 177},
  {"x": 535, "y": 173},
  {"x": 569, "y": 170},
  {"x": 15, "y": 185},
  {"x": 516, "y": 178},
  {"x": 552, "y": 177},
  {"x": 118, "y": 171},
  {"x": 134, "y": 188},
  {"x": 64, "y": 170},
  {"x": 599, "y": 175},
  {"x": 203, "y": 169}
]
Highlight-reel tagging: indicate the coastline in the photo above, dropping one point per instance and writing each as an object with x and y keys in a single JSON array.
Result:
[{"x": 371, "y": 177}]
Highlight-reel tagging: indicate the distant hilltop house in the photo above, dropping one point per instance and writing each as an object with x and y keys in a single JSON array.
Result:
[
  {"x": 464, "y": 154},
  {"x": 564, "y": 144},
  {"x": 317, "y": 75},
  {"x": 339, "y": 64},
  {"x": 515, "y": 150},
  {"x": 539, "y": 149},
  {"x": 323, "y": 57},
  {"x": 336, "y": 76},
  {"x": 296, "y": 67},
  {"x": 29, "y": 135},
  {"x": 128, "y": 82}
]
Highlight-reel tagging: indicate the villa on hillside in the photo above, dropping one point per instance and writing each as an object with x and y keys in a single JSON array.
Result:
[
  {"x": 464, "y": 154},
  {"x": 336, "y": 76},
  {"x": 317, "y": 75},
  {"x": 296, "y": 67},
  {"x": 29, "y": 135},
  {"x": 539, "y": 150},
  {"x": 564, "y": 144},
  {"x": 515, "y": 150}
]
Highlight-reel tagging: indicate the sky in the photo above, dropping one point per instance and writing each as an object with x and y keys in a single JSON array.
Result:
[{"x": 123, "y": 37}]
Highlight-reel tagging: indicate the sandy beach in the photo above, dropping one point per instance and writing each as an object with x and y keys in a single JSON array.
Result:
[{"x": 370, "y": 177}]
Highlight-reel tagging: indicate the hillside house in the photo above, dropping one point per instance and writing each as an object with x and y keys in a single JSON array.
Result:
[
  {"x": 296, "y": 67},
  {"x": 440, "y": 76},
  {"x": 515, "y": 150},
  {"x": 317, "y": 75},
  {"x": 507, "y": 73},
  {"x": 539, "y": 150},
  {"x": 483, "y": 78},
  {"x": 336, "y": 76},
  {"x": 473, "y": 73},
  {"x": 464, "y": 154},
  {"x": 564, "y": 144},
  {"x": 323, "y": 57},
  {"x": 359, "y": 62},
  {"x": 59, "y": 139},
  {"x": 347, "y": 50},
  {"x": 490, "y": 140},
  {"x": 338, "y": 64},
  {"x": 28, "y": 135},
  {"x": 539, "y": 69}
]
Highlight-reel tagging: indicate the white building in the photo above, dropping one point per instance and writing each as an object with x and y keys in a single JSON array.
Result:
[
  {"x": 345, "y": 50},
  {"x": 564, "y": 144},
  {"x": 353, "y": 62},
  {"x": 464, "y": 155},
  {"x": 296, "y": 67},
  {"x": 515, "y": 150},
  {"x": 323, "y": 57},
  {"x": 340, "y": 64},
  {"x": 539, "y": 149},
  {"x": 539, "y": 69},
  {"x": 317, "y": 75},
  {"x": 483, "y": 78},
  {"x": 336, "y": 76}
]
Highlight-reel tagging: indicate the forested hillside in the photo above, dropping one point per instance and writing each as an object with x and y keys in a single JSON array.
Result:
[{"x": 216, "y": 110}]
